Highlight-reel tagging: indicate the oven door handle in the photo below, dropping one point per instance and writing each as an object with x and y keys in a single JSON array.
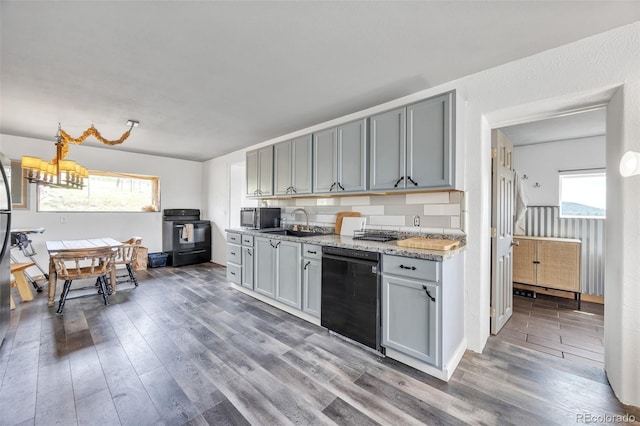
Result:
[{"x": 191, "y": 252}]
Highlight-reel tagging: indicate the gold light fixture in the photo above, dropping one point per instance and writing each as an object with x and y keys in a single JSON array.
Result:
[{"x": 63, "y": 173}]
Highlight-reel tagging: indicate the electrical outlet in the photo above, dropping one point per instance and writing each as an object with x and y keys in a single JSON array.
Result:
[
  {"x": 416, "y": 220},
  {"x": 63, "y": 219}
]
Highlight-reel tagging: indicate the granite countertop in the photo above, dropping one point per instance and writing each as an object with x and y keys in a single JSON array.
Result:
[{"x": 343, "y": 241}]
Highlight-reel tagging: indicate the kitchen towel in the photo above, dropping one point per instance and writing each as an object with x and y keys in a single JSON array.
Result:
[{"x": 187, "y": 232}]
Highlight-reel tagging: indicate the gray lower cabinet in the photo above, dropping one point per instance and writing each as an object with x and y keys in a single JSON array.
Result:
[
  {"x": 292, "y": 166},
  {"x": 277, "y": 271},
  {"x": 288, "y": 275},
  {"x": 259, "y": 172},
  {"x": 410, "y": 317},
  {"x": 247, "y": 267},
  {"x": 265, "y": 264},
  {"x": 234, "y": 258},
  {"x": 311, "y": 279},
  {"x": 413, "y": 147},
  {"x": 340, "y": 158}
]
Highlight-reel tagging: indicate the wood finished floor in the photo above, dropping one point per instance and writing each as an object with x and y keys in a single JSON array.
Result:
[
  {"x": 552, "y": 325},
  {"x": 184, "y": 348}
]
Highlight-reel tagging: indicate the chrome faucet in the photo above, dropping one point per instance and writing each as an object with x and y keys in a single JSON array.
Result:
[{"x": 306, "y": 216}]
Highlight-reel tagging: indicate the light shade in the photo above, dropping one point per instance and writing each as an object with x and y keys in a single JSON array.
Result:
[{"x": 630, "y": 164}]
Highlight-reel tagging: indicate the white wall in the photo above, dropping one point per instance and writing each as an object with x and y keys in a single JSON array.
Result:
[
  {"x": 581, "y": 74},
  {"x": 541, "y": 162},
  {"x": 180, "y": 187}
]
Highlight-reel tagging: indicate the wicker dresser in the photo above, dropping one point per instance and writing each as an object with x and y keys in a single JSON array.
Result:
[{"x": 551, "y": 263}]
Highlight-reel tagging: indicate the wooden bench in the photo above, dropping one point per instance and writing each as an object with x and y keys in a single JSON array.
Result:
[{"x": 17, "y": 269}]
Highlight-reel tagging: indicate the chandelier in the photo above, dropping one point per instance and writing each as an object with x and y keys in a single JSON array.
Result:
[{"x": 63, "y": 173}]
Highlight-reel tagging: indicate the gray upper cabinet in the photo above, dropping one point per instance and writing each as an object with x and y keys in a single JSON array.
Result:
[
  {"x": 292, "y": 166},
  {"x": 412, "y": 147},
  {"x": 325, "y": 154},
  {"x": 260, "y": 172},
  {"x": 340, "y": 158},
  {"x": 387, "y": 156}
]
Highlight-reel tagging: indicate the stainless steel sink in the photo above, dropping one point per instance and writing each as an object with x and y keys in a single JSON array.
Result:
[{"x": 292, "y": 233}]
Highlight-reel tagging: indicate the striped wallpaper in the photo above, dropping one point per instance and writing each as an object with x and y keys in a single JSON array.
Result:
[{"x": 545, "y": 221}]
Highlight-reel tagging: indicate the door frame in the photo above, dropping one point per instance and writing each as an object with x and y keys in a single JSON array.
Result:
[{"x": 546, "y": 109}]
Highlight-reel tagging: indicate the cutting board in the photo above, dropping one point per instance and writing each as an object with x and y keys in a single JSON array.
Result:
[
  {"x": 429, "y": 243},
  {"x": 350, "y": 224},
  {"x": 340, "y": 216}
]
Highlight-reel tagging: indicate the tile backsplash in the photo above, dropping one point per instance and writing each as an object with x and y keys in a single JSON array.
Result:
[{"x": 438, "y": 212}]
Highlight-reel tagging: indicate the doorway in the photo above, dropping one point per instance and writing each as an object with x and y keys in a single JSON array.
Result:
[{"x": 531, "y": 316}]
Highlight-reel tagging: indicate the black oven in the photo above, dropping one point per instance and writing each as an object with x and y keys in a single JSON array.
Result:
[{"x": 185, "y": 238}]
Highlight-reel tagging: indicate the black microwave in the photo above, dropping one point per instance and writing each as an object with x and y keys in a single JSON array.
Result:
[{"x": 260, "y": 217}]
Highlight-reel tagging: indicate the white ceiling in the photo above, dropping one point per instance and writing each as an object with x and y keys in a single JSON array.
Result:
[
  {"x": 208, "y": 78},
  {"x": 572, "y": 126}
]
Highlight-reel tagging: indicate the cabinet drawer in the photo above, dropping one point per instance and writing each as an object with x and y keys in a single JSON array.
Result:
[
  {"x": 233, "y": 238},
  {"x": 234, "y": 254},
  {"x": 312, "y": 251},
  {"x": 234, "y": 273},
  {"x": 412, "y": 268},
  {"x": 247, "y": 240}
]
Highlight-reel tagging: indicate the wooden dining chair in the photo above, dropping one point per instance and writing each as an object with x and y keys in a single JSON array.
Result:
[
  {"x": 81, "y": 264},
  {"x": 126, "y": 255}
]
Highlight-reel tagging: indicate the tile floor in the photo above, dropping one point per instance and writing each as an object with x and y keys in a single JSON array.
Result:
[{"x": 552, "y": 325}]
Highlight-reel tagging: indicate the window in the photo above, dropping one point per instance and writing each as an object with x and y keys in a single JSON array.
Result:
[
  {"x": 583, "y": 194},
  {"x": 104, "y": 192}
]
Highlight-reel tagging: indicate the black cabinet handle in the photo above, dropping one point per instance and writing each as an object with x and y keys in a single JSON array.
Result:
[
  {"x": 312, "y": 252},
  {"x": 232, "y": 273},
  {"x": 293, "y": 190},
  {"x": 306, "y": 264},
  {"x": 340, "y": 185},
  {"x": 412, "y": 181},
  {"x": 249, "y": 253},
  {"x": 413, "y": 268},
  {"x": 233, "y": 253},
  {"x": 277, "y": 244},
  {"x": 332, "y": 185},
  {"x": 537, "y": 262},
  {"x": 398, "y": 182},
  {"x": 433, "y": 299}
]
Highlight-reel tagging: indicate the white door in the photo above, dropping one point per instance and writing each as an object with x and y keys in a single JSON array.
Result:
[{"x": 502, "y": 219}]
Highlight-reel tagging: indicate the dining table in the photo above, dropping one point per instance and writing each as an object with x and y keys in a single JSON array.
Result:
[{"x": 66, "y": 246}]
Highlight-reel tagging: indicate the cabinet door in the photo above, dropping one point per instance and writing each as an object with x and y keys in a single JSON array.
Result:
[
  {"x": 410, "y": 319},
  {"x": 559, "y": 265},
  {"x": 265, "y": 266},
  {"x": 429, "y": 147},
  {"x": 252, "y": 173},
  {"x": 247, "y": 267},
  {"x": 288, "y": 275},
  {"x": 311, "y": 286},
  {"x": 324, "y": 160},
  {"x": 282, "y": 167},
  {"x": 352, "y": 153},
  {"x": 301, "y": 167},
  {"x": 524, "y": 256},
  {"x": 387, "y": 154},
  {"x": 265, "y": 170}
]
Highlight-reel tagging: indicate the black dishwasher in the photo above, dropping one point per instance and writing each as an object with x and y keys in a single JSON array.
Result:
[{"x": 351, "y": 295}]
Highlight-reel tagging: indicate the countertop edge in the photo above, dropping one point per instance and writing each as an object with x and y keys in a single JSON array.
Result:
[{"x": 332, "y": 240}]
